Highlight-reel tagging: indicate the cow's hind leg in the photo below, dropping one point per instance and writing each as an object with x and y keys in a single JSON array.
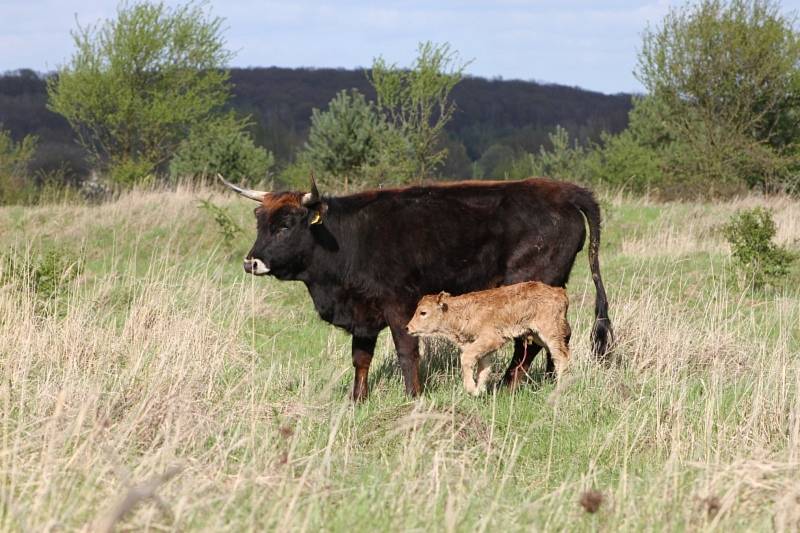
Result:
[
  {"x": 521, "y": 362},
  {"x": 363, "y": 349}
]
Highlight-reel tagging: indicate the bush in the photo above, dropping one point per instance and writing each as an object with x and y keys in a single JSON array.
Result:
[
  {"x": 724, "y": 74},
  {"x": 45, "y": 274},
  {"x": 345, "y": 138},
  {"x": 760, "y": 261},
  {"x": 564, "y": 160},
  {"x": 128, "y": 172},
  {"x": 228, "y": 228},
  {"x": 222, "y": 146},
  {"x": 416, "y": 101},
  {"x": 135, "y": 84},
  {"x": 14, "y": 159}
]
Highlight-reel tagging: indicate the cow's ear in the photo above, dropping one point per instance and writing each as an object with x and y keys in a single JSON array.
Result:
[
  {"x": 313, "y": 202},
  {"x": 441, "y": 296},
  {"x": 316, "y": 213}
]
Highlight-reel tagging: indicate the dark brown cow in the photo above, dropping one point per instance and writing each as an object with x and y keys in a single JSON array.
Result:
[{"x": 368, "y": 258}]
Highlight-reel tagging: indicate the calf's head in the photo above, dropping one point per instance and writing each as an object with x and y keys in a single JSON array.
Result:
[
  {"x": 284, "y": 221},
  {"x": 431, "y": 315}
]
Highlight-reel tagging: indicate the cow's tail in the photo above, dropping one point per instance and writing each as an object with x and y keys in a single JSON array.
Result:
[{"x": 602, "y": 333}]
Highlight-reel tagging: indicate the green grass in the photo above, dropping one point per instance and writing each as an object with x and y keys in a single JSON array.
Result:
[{"x": 163, "y": 353}]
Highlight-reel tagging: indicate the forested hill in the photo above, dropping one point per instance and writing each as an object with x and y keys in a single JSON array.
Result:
[{"x": 507, "y": 113}]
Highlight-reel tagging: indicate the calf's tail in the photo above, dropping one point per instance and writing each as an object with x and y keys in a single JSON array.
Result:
[{"x": 602, "y": 333}]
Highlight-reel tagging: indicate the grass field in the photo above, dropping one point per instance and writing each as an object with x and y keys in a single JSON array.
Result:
[{"x": 147, "y": 382}]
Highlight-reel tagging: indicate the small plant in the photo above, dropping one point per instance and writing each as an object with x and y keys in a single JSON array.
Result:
[
  {"x": 46, "y": 274},
  {"x": 761, "y": 261},
  {"x": 228, "y": 229}
]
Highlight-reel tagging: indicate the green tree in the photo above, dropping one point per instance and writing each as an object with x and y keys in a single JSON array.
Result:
[
  {"x": 725, "y": 78},
  {"x": 635, "y": 158},
  {"x": 496, "y": 161},
  {"x": 345, "y": 139},
  {"x": 137, "y": 84},
  {"x": 562, "y": 160},
  {"x": 416, "y": 101},
  {"x": 14, "y": 159},
  {"x": 222, "y": 146}
]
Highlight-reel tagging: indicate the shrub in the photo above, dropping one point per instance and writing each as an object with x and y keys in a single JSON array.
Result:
[
  {"x": 14, "y": 159},
  {"x": 135, "y": 84},
  {"x": 761, "y": 261},
  {"x": 345, "y": 138},
  {"x": 563, "y": 160},
  {"x": 46, "y": 274},
  {"x": 222, "y": 146},
  {"x": 724, "y": 74},
  {"x": 416, "y": 101},
  {"x": 226, "y": 226}
]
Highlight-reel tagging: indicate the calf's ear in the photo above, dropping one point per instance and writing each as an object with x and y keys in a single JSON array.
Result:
[{"x": 441, "y": 296}]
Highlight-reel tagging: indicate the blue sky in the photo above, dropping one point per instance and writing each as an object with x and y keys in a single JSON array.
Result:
[{"x": 591, "y": 44}]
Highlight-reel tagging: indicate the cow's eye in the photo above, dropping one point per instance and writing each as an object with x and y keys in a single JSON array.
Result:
[{"x": 423, "y": 313}]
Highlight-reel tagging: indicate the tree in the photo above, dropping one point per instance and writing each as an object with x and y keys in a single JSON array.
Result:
[
  {"x": 136, "y": 85},
  {"x": 725, "y": 78},
  {"x": 345, "y": 138},
  {"x": 416, "y": 101},
  {"x": 222, "y": 146}
]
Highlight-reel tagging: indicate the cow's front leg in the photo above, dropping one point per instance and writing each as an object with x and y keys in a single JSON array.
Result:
[
  {"x": 407, "y": 347},
  {"x": 363, "y": 349}
]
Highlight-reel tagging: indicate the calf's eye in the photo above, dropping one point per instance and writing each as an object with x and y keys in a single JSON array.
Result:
[{"x": 423, "y": 313}]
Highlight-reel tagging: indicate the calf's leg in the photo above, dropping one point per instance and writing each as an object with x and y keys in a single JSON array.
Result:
[
  {"x": 478, "y": 352},
  {"x": 468, "y": 372},
  {"x": 484, "y": 369},
  {"x": 363, "y": 349},
  {"x": 557, "y": 343}
]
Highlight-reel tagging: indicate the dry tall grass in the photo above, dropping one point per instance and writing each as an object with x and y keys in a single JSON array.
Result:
[{"x": 164, "y": 390}]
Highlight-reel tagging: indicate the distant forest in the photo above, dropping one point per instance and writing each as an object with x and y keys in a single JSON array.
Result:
[{"x": 511, "y": 114}]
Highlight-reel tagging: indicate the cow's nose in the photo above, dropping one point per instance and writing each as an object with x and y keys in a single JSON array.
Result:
[{"x": 253, "y": 265}]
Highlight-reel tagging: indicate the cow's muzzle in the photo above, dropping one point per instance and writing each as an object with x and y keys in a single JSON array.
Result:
[{"x": 255, "y": 266}]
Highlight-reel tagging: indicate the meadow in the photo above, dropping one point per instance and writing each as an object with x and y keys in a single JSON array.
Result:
[{"x": 148, "y": 383}]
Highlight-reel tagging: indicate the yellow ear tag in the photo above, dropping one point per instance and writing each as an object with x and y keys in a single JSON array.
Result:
[{"x": 317, "y": 219}]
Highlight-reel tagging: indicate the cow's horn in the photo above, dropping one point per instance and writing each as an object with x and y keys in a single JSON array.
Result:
[
  {"x": 247, "y": 193},
  {"x": 311, "y": 198}
]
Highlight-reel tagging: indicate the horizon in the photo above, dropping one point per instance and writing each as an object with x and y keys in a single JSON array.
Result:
[
  {"x": 577, "y": 43},
  {"x": 574, "y": 44}
]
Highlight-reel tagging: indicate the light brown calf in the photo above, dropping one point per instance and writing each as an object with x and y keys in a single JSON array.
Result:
[{"x": 481, "y": 322}]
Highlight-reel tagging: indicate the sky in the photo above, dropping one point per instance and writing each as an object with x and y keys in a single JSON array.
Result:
[{"x": 584, "y": 43}]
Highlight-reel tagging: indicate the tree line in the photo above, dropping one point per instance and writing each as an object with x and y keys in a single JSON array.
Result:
[{"x": 147, "y": 96}]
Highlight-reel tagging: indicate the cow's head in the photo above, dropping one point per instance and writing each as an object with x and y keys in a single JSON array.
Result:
[
  {"x": 430, "y": 316},
  {"x": 284, "y": 223}
]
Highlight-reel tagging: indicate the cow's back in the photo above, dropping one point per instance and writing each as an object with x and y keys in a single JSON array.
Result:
[{"x": 466, "y": 237}]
